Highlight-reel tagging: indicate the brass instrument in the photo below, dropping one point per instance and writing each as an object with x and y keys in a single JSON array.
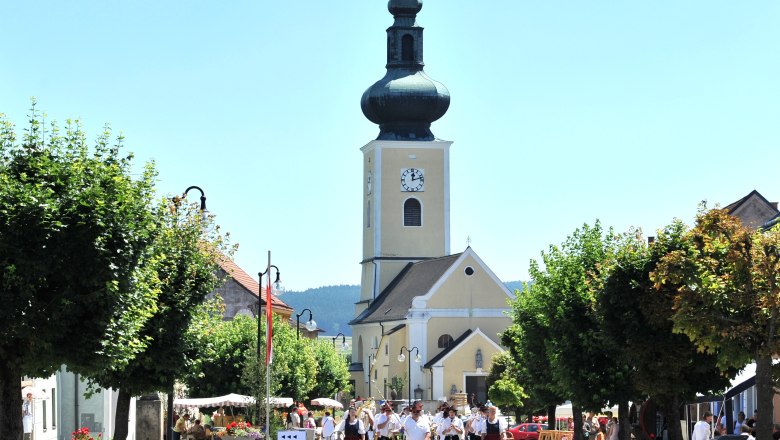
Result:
[{"x": 366, "y": 411}]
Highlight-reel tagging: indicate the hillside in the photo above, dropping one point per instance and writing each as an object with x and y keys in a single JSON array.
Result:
[{"x": 334, "y": 306}]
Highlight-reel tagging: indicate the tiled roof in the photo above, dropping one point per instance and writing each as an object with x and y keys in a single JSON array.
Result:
[
  {"x": 730, "y": 208},
  {"x": 247, "y": 282},
  {"x": 416, "y": 279}
]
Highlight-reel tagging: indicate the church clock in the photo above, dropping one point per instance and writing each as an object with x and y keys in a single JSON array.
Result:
[{"x": 412, "y": 179}]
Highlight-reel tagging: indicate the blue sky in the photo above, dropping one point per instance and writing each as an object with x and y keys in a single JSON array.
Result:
[{"x": 562, "y": 112}]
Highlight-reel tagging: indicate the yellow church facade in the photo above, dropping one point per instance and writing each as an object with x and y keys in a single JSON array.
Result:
[{"x": 426, "y": 318}]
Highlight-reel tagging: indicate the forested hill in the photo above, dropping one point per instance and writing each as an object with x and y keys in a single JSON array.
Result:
[{"x": 334, "y": 306}]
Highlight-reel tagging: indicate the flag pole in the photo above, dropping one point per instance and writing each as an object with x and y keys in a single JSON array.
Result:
[{"x": 268, "y": 335}]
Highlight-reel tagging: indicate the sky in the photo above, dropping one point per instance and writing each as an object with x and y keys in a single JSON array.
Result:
[{"x": 562, "y": 112}]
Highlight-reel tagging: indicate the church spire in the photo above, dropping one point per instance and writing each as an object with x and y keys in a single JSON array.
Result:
[{"x": 406, "y": 101}]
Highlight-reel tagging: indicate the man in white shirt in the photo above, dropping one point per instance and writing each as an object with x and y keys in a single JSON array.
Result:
[
  {"x": 417, "y": 427},
  {"x": 702, "y": 430},
  {"x": 473, "y": 425},
  {"x": 452, "y": 426},
  {"x": 387, "y": 422}
]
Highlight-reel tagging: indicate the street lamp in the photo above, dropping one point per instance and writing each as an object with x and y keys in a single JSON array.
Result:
[
  {"x": 176, "y": 200},
  {"x": 277, "y": 286},
  {"x": 311, "y": 325},
  {"x": 417, "y": 358},
  {"x": 344, "y": 344}
]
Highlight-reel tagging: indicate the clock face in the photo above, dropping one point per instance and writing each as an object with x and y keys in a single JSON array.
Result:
[
  {"x": 369, "y": 183},
  {"x": 412, "y": 179}
]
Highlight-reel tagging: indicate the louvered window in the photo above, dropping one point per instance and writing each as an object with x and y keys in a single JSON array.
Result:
[
  {"x": 445, "y": 341},
  {"x": 412, "y": 213}
]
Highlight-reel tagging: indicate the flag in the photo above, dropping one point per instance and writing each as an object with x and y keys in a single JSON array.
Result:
[{"x": 269, "y": 327}]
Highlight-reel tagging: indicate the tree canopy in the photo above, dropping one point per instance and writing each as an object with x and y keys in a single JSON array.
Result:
[
  {"x": 727, "y": 295},
  {"x": 74, "y": 224}
]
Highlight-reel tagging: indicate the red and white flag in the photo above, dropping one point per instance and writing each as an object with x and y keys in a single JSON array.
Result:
[{"x": 269, "y": 327}]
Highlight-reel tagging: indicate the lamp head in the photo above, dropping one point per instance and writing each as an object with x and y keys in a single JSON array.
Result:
[
  {"x": 311, "y": 325},
  {"x": 401, "y": 357}
]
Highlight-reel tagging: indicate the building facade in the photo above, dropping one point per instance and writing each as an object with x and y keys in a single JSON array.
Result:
[{"x": 427, "y": 319}]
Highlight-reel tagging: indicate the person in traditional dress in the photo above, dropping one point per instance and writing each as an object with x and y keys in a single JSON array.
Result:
[
  {"x": 493, "y": 428},
  {"x": 352, "y": 426},
  {"x": 451, "y": 427}
]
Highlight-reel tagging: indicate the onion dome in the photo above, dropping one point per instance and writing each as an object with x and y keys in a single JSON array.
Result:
[{"x": 406, "y": 101}]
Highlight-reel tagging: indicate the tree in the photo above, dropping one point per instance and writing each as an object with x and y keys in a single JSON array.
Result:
[
  {"x": 332, "y": 370},
  {"x": 526, "y": 340},
  {"x": 294, "y": 366},
  {"x": 665, "y": 366},
  {"x": 74, "y": 224},
  {"x": 503, "y": 389},
  {"x": 179, "y": 269},
  {"x": 727, "y": 296},
  {"x": 221, "y": 351},
  {"x": 579, "y": 351}
]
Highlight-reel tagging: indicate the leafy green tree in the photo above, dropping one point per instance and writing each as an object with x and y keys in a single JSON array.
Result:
[
  {"x": 581, "y": 355},
  {"x": 503, "y": 389},
  {"x": 294, "y": 365},
  {"x": 74, "y": 224},
  {"x": 665, "y": 365},
  {"x": 332, "y": 370},
  {"x": 727, "y": 298},
  {"x": 179, "y": 268},
  {"x": 221, "y": 350},
  {"x": 526, "y": 340}
]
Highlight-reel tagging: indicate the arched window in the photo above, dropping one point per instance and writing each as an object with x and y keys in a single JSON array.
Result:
[
  {"x": 407, "y": 48},
  {"x": 445, "y": 341},
  {"x": 412, "y": 213}
]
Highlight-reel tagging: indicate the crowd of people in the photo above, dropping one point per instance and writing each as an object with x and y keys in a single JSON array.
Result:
[
  {"x": 412, "y": 423},
  {"x": 594, "y": 429}
]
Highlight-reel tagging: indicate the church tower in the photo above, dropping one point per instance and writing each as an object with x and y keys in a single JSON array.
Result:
[{"x": 406, "y": 201}]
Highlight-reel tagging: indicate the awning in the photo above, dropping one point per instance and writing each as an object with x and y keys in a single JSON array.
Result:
[{"x": 228, "y": 400}]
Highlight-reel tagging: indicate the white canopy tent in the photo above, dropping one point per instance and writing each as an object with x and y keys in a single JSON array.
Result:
[{"x": 228, "y": 400}]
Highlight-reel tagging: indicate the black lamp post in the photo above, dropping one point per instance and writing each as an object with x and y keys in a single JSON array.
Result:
[
  {"x": 176, "y": 200},
  {"x": 311, "y": 325},
  {"x": 417, "y": 358},
  {"x": 344, "y": 344}
]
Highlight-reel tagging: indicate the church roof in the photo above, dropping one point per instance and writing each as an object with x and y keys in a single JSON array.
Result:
[
  {"x": 416, "y": 279},
  {"x": 247, "y": 282}
]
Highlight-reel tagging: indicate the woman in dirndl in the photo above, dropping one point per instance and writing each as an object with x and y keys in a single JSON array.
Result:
[
  {"x": 352, "y": 427},
  {"x": 493, "y": 428}
]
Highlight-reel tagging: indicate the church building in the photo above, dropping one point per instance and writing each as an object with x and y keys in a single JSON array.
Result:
[{"x": 428, "y": 321}]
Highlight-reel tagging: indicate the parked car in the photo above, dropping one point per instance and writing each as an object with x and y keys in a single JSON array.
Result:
[{"x": 526, "y": 431}]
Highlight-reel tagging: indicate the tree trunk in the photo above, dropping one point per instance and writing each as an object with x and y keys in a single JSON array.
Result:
[
  {"x": 551, "y": 417},
  {"x": 764, "y": 394},
  {"x": 122, "y": 417},
  {"x": 10, "y": 402},
  {"x": 576, "y": 413},
  {"x": 623, "y": 423},
  {"x": 671, "y": 408}
]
